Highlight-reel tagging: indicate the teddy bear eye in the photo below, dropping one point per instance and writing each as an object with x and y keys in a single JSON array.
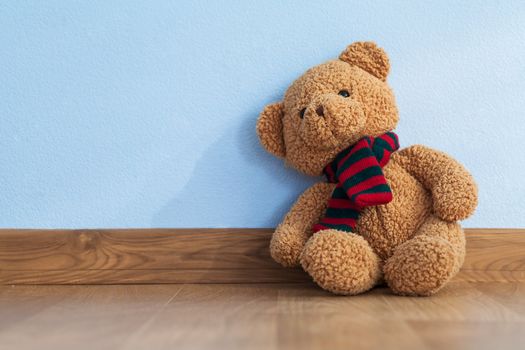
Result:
[
  {"x": 344, "y": 93},
  {"x": 301, "y": 113}
]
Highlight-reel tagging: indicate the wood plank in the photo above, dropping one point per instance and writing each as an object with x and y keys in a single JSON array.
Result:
[
  {"x": 134, "y": 249},
  {"x": 150, "y": 276},
  {"x": 260, "y": 316},
  {"x": 490, "y": 276},
  {"x": 92, "y": 317},
  {"x": 493, "y": 250},
  {"x": 200, "y": 256}
]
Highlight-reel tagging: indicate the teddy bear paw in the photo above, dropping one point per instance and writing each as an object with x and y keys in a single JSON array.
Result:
[
  {"x": 341, "y": 262},
  {"x": 421, "y": 266}
]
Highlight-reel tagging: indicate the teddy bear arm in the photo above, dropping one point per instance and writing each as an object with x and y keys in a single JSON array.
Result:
[
  {"x": 292, "y": 233},
  {"x": 453, "y": 189}
]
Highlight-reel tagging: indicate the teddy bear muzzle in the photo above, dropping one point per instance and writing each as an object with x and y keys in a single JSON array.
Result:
[{"x": 331, "y": 120}]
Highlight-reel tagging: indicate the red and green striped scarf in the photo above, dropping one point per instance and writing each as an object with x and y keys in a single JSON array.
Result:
[{"x": 360, "y": 181}]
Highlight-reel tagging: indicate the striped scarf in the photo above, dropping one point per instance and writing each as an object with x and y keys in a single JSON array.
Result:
[{"x": 358, "y": 173}]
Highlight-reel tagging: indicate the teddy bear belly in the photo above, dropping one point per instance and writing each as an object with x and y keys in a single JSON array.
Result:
[{"x": 387, "y": 226}]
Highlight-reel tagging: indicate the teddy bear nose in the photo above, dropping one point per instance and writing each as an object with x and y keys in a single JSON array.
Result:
[{"x": 320, "y": 111}]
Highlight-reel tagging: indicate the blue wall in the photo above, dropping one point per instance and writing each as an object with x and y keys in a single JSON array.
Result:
[{"x": 142, "y": 114}]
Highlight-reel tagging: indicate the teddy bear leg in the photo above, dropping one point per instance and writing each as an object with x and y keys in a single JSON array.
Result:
[
  {"x": 424, "y": 264},
  {"x": 341, "y": 262}
]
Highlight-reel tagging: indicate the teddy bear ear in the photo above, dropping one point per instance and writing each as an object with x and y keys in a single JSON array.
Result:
[
  {"x": 270, "y": 129},
  {"x": 369, "y": 57}
]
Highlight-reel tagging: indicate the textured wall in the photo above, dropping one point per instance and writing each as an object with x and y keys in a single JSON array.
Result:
[{"x": 141, "y": 114}]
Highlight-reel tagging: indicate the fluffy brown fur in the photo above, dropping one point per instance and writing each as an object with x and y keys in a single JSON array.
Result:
[{"x": 414, "y": 242}]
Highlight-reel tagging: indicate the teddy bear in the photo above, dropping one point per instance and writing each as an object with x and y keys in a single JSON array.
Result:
[{"x": 383, "y": 214}]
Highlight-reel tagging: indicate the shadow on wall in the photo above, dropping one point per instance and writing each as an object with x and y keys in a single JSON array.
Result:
[{"x": 235, "y": 169}]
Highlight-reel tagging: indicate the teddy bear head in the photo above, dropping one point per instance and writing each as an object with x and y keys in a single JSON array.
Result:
[{"x": 329, "y": 108}]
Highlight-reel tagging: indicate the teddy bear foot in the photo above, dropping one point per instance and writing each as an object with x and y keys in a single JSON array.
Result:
[
  {"x": 341, "y": 262},
  {"x": 421, "y": 266}
]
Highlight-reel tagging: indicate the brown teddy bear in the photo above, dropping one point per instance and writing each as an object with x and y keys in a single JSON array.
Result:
[{"x": 383, "y": 214}]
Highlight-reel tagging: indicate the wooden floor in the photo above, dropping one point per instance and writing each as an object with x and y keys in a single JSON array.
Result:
[
  {"x": 465, "y": 315},
  {"x": 219, "y": 289}
]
